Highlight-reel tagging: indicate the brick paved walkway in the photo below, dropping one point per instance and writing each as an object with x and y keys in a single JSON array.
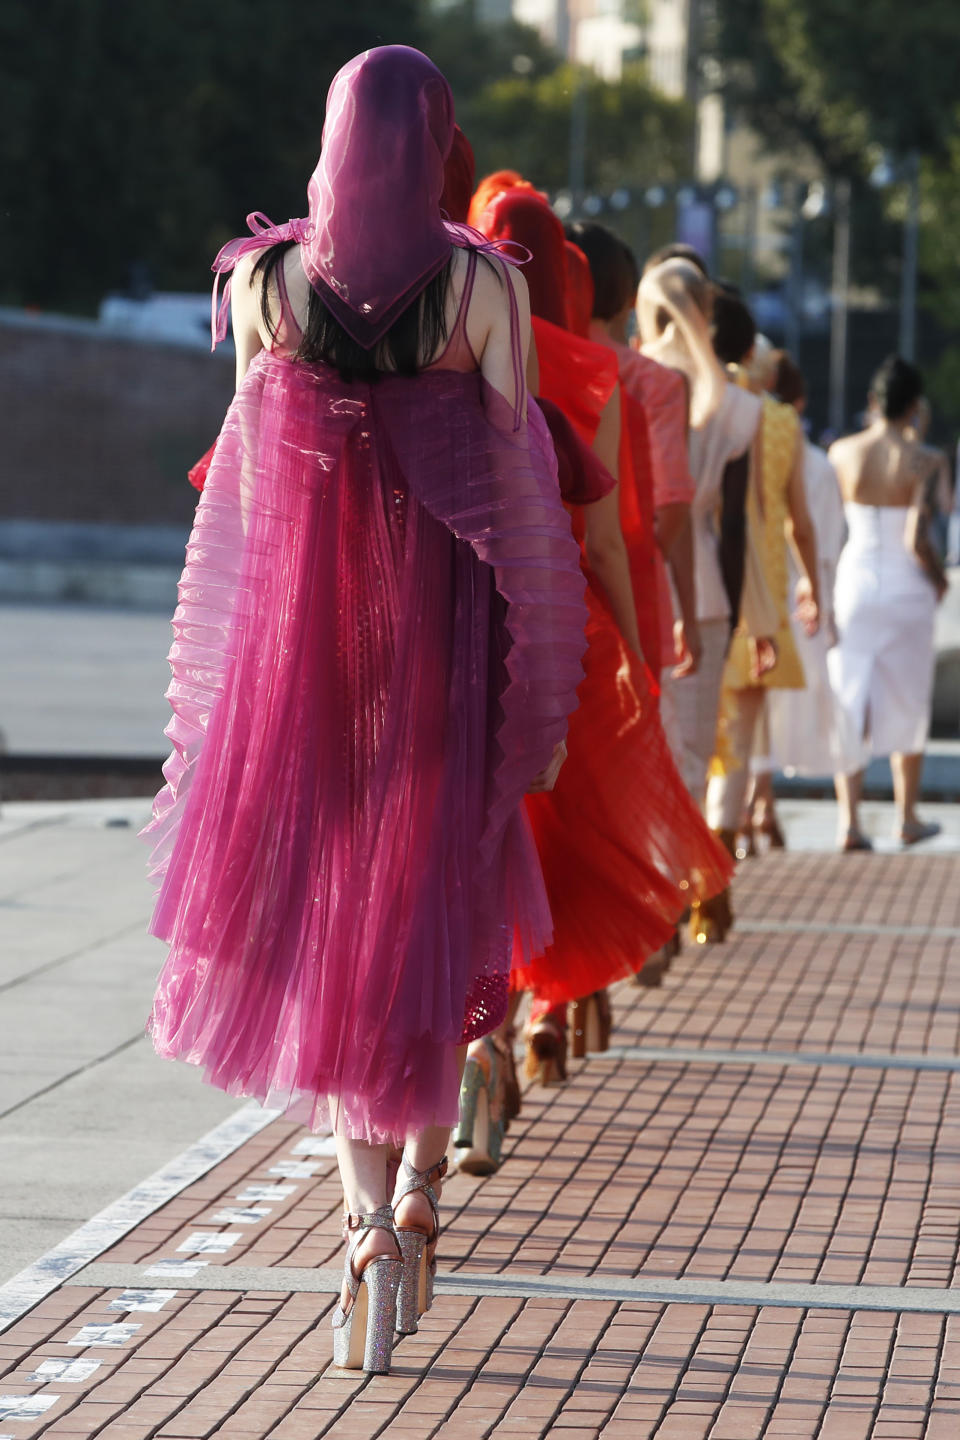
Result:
[{"x": 742, "y": 1221}]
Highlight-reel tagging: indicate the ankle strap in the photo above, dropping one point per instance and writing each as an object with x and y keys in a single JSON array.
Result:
[
  {"x": 381, "y": 1219},
  {"x": 411, "y": 1179}
]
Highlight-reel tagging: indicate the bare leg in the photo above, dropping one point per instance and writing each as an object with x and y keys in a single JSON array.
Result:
[
  {"x": 763, "y": 804},
  {"x": 427, "y": 1148},
  {"x": 363, "y": 1174},
  {"x": 848, "y": 789},
  {"x": 727, "y": 793},
  {"x": 906, "y": 786},
  {"x": 907, "y": 771},
  {"x": 423, "y": 1150}
]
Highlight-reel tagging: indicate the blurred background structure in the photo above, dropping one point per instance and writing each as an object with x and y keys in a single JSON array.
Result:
[{"x": 807, "y": 147}]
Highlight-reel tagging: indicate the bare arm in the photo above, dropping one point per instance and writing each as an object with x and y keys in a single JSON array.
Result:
[
  {"x": 606, "y": 442},
  {"x": 803, "y": 540},
  {"x": 494, "y": 344},
  {"x": 245, "y": 310},
  {"x": 603, "y": 538},
  {"x": 918, "y": 533},
  {"x": 675, "y": 538},
  {"x": 533, "y": 368}
]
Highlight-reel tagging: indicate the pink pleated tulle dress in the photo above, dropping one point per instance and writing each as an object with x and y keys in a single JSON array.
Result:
[{"x": 377, "y": 644}]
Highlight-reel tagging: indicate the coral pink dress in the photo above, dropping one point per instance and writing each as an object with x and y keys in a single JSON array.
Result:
[{"x": 377, "y": 646}]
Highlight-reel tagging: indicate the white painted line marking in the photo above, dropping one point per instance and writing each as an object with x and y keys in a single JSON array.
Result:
[
  {"x": 151, "y": 1300},
  {"x": 266, "y": 1192},
  {"x": 846, "y": 927},
  {"x": 647, "y": 1289},
  {"x": 850, "y": 1059},
  {"x": 113, "y": 1335},
  {"x": 233, "y": 1215},
  {"x": 208, "y": 1242},
  {"x": 25, "y": 1407},
  {"x": 64, "y": 1372},
  {"x": 315, "y": 1145},
  {"x": 294, "y": 1169}
]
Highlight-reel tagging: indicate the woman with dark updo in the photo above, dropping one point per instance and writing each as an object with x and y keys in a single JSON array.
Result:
[{"x": 889, "y": 580}]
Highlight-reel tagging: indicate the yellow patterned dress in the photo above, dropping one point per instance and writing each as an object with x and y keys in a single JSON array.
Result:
[{"x": 767, "y": 510}]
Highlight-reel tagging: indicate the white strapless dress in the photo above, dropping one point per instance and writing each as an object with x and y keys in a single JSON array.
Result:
[
  {"x": 804, "y": 736},
  {"x": 881, "y": 669}
]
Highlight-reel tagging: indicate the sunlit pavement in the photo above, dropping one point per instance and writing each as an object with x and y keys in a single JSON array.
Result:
[{"x": 740, "y": 1221}]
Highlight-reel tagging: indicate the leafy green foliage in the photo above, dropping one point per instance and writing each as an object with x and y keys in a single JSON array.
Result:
[
  {"x": 134, "y": 138},
  {"x": 843, "y": 75},
  {"x": 634, "y": 135},
  {"x": 134, "y": 134}
]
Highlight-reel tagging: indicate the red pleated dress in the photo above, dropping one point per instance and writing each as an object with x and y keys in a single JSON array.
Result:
[{"x": 623, "y": 848}]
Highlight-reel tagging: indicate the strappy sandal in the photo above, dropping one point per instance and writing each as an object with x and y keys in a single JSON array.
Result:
[
  {"x": 363, "y": 1330},
  {"x": 418, "y": 1249}
]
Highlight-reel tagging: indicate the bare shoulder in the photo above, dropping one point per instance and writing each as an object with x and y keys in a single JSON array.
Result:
[
  {"x": 490, "y": 315},
  {"x": 243, "y": 270},
  {"x": 846, "y": 448},
  {"x": 492, "y": 279}
]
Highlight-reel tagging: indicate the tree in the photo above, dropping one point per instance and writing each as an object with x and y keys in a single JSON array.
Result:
[
  {"x": 851, "y": 81},
  {"x": 635, "y": 136},
  {"x": 843, "y": 76},
  {"x": 134, "y": 138},
  {"x": 142, "y": 134},
  {"x": 514, "y": 96}
]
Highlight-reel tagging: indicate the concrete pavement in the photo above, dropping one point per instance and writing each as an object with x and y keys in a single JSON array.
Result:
[
  {"x": 78, "y": 680},
  {"x": 86, "y": 1109}
]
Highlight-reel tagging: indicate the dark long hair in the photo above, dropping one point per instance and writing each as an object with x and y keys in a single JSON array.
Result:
[
  {"x": 612, "y": 265},
  {"x": 416, "y": 333},
  {"x": 896, "y": 386}
]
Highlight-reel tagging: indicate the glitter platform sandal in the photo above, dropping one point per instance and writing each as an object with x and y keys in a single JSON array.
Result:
[
  {"x": 363, "y": 1332},
  {"x": 415, "y": 1295}
]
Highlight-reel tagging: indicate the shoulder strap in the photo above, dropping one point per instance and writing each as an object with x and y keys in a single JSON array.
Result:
[{"x": 516, "y": 350}]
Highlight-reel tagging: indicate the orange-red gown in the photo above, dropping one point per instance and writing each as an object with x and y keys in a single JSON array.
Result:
[{"x": 624, "y": 849}]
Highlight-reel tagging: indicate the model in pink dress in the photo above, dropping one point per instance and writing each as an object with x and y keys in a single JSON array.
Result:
[{"x": 377, "y": 646}]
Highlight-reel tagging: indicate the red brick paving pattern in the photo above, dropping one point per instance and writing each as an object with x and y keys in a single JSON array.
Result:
[
  {"x": 260, "y": 1367},
  {"x": 834, "y": 1174}
]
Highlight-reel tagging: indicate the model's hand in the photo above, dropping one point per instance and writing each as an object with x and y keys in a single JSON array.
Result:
[
  {"x": 807, "y": 611},
  {"x": 763, "y": 656},
  {"x": 687, "y": 647},
  {"x": 548, "y": 778}
]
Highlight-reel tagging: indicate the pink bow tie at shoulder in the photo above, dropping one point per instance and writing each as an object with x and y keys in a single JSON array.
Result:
[
  {"x": 510, "y": 251},
  {"x": 263, "y": 233}
]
